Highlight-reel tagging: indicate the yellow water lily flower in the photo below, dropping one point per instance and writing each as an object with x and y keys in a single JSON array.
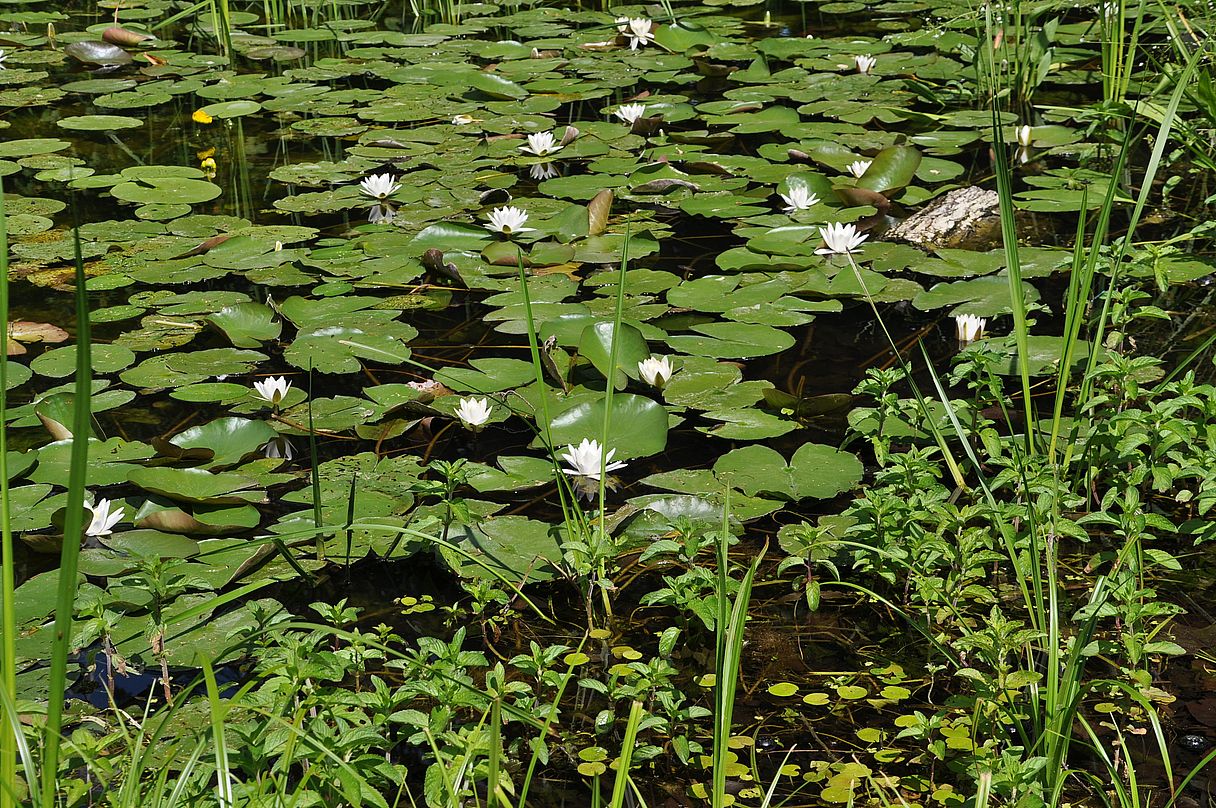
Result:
[{"x": 200, "y": 116}]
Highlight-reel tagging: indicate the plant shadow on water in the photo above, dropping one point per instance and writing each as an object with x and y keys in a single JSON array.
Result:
[{"x": 793, "y": 461}]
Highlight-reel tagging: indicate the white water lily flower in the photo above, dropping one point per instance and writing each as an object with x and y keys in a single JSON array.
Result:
[
  {"x": 542, "y": 171},
  {"x": 462, "y": 120},
  {"x": 541, "y": 144},
  {"x": 656, "y": 370},
  {"x": 799, "y": 198},
  {"x": 105, "y": 517},
  {"x": 508, "y": 220},
  {"x": 629, "y": 113},
  {"x": 279, "y": 448},
  {"x": 273, "y": 390},
  {"x": 840, "y": 239},
  {"x": 1025, "y": 136},
  {"x": 379, "y": 186},
  {"x": 474, "y": 412},
  {"x": 3, "y": 56},
  {"x": 586, "y": 458},
  {"x": 859, "y": 167},
  {"x": 969, "y": 328},
  {"x": 864, "y": 63},
  {"x": 639, "y": 30}
]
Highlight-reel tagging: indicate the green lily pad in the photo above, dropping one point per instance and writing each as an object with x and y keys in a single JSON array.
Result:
[
  {"x": 197, "y": 485},
  {"x": 166, "y": 191},
  {"x": 984, "y": 297},
  {"x": 815, "y": 471},
  {"x": 510, "y": 547},
  {"x": 731, "y": 340},
  {"x": 488, "y": 375},
  {"x": 637, "y": 428},
  {"x": 227, "y": 439},
  {"x": 232, "y": 109},
  {"x": 99, "y": 123},
  {"x": 60, "y": 362},
  {"x": 247, "y": 325},
  {"x": 596, "y": 344}
]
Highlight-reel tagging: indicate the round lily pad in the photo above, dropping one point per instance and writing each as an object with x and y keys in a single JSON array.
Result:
[
  {"x": 158, "y": 212},
  {"x": 166, "y": 191},
  {"x": 99, "y": 123},
  {"x": 61, "y": 362},
  {"x": 232, "y": 109}
]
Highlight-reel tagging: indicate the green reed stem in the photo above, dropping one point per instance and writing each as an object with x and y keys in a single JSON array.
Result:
[
  {"x": 729, "y": 628},
  {"x": 73, "y": 525},
  {"x": 217, "y": 711},
  {"x": 494, "y": 756},
  {"x": 539, "y": 744},
  {"x": 609, "y": 391},
  {"x": 1078, "y": 299},
  {"x": 1160, "y": 142},
  {"x": 1013, "y": 267},
  {"x": 626, "y": 758},
  {"x": 8, "y": 615},
  {"x": 314, "y": 463}
]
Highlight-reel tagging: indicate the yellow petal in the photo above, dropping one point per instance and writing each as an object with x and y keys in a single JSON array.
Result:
[{"x": 201, "y": 117}]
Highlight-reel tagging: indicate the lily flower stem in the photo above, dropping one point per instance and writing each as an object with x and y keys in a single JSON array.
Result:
[{"x": 951, "y": 463}]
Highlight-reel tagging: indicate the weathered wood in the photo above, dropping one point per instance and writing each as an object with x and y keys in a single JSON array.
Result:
[{"x": 964, "y": 218}]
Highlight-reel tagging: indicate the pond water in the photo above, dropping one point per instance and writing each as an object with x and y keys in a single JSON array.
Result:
[{"x": 316, "y": 192}]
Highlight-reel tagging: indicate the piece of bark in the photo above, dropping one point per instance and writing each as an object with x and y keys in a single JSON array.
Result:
[{"x": 964, "y": 218}]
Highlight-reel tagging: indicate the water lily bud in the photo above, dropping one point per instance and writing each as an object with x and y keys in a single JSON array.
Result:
[
  {"x": 969, "y": 328},
  {"x": 655, "y": 370}
]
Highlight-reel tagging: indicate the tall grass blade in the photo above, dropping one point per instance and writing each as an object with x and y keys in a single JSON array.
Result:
[
  {"x": 217, "y": 711},
  {"x": 13, "y": 729},
  {"x": 8, "y": 615},
  {"x": 539, "y": 744},
  {"x": 1013, "y": 268},
  {"x": 625, "y": 761},
  {"x": 1160, "y": 141},
  {"x": 609, "y": 391},
  {"x": 314, "y": 463},
  {"x": 73, "y": 525},
  {"x": 1080, "y": 290},
  {"x": 728, "y": 636},
  {"x": 495, "y": 755}
]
